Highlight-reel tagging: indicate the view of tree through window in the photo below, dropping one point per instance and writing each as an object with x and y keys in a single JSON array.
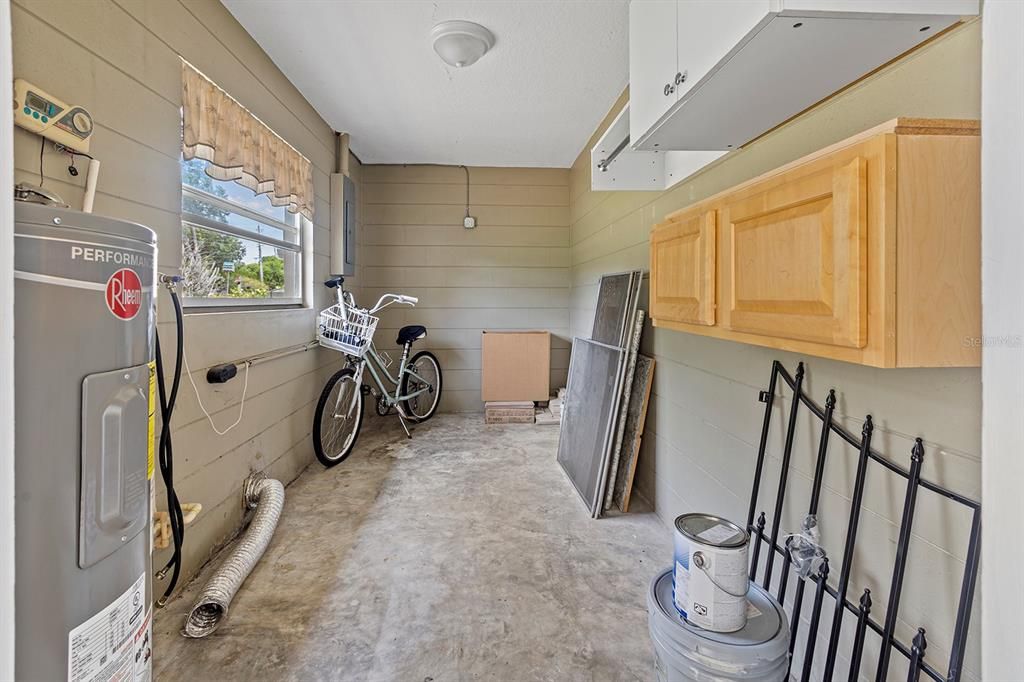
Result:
[{"x": 235, "y": 244}]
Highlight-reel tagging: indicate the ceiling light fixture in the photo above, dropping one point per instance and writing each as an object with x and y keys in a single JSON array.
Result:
[{"x": 461, "y": 43}]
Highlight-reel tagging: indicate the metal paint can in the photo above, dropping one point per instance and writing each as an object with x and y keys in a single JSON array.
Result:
[{"x": 709, "y": 579}]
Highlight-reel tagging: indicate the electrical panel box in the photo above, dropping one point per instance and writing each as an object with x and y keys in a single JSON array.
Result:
[{"x": 344, "y": 223}]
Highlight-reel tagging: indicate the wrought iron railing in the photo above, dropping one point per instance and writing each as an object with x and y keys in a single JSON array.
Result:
[{"x": 914, "y": 650}]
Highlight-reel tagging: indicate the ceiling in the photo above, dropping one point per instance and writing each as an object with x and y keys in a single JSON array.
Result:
[{"x": 368, "y": 67}]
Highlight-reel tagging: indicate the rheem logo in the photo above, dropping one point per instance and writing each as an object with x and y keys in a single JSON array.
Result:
[{"x": 124, "y": 294}]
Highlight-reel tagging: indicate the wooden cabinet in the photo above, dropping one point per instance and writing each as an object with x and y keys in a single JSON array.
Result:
[
  {"x": 711, "y": 75},
  {"x": 867, "y": 251},
  {"x": 797, "y": 256},
  {"x": 683, "y": 269}
]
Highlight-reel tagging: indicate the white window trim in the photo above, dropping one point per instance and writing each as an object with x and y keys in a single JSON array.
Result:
[
  {"x": 300, "y": 228},
  {"x": 187, "y": 191}
]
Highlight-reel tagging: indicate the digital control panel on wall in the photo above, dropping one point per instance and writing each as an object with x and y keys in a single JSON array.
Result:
[{"x": 43, "y": 114}]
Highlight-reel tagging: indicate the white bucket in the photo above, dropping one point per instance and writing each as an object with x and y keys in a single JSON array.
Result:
[
  {"x": 710, "y": 577},
  {"x": 759, "y": 652}
]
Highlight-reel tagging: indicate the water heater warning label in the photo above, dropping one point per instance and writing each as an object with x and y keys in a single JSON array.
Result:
[
  {"x": 152, "y": 419},
  {"x": 103, "y": 648},
  {"x": 124, "y": 294}
]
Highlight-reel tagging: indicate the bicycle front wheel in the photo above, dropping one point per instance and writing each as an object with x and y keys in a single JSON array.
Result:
[
  {"x": 423, "y": 373},
  {"x": 338, "y": 418}
]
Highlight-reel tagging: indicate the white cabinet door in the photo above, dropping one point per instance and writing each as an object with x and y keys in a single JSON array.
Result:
[
  {"x": 652, "y": 63},
  {"x": 708, "y": 30}
]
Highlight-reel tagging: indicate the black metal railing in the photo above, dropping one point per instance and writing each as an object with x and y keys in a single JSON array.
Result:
[{"x": 914, "y": 651}]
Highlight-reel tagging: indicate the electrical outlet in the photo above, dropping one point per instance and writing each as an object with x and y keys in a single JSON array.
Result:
[{"x": 469, "y": 222}]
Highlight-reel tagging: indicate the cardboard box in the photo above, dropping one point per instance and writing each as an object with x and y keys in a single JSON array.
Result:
[{"x": 515, "y": 366}]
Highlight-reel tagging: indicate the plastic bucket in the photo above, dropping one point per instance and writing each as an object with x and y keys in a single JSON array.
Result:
[{"x": 759, "y": 652}]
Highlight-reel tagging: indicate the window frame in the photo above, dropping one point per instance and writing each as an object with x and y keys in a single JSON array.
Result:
[{"x": 298, "y": 248}]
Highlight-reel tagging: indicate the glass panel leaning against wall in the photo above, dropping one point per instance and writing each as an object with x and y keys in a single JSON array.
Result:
[{"x": 237, "y": 249}]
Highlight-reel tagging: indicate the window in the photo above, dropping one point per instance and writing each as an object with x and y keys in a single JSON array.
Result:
[{"x": 237, "y": 249}]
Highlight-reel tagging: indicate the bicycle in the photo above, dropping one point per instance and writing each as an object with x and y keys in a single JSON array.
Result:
[{"x": 339, "y": 412}]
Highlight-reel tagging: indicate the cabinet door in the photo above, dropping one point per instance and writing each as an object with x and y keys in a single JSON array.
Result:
[
  {"x": 652, "y": 63},
  {"x": 708, "y": 30},
  {"x": 683, "y": 269},
  {"x": 797, "y": 256}
]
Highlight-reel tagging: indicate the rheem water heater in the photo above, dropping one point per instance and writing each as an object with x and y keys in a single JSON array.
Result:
[{"x": 84, "y": 302}]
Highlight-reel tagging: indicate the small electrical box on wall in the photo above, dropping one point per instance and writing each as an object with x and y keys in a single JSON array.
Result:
[
  {"x": 43, "y": 114},
  {"x": 343, "y": 225},
  {"x": 344, "y": 211}
]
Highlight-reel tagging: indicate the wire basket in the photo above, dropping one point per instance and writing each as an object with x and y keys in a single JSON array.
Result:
[{"x": 349, "y": 331}]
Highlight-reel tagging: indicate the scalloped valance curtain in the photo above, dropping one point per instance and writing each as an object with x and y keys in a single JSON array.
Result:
[{"x": 240, "y": 147}]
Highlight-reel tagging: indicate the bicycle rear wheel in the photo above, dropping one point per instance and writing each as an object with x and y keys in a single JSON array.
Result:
[
  {"x": 428, "y": 376},
  {"x": 338, "y": 418}
]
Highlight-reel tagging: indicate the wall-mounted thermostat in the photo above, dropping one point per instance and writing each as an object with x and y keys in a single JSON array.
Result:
[{"x": 45, "y": 115}]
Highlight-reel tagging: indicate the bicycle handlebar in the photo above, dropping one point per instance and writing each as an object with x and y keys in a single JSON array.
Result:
[
  {"x": 384, "y": 301},
  {"x": 338, "y": 283}
]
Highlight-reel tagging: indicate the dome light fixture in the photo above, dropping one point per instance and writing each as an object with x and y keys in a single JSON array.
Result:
[{"x": 461, "y": 43}]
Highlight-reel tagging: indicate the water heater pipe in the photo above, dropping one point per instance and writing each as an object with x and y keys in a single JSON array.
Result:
[
  {"x": 266, "y": 495},
  {"x": 91, "y": 176},
  {"x": 166, "y": 450}
]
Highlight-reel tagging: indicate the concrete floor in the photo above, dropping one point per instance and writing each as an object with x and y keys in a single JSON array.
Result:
[{"x": 462, "y": 554}]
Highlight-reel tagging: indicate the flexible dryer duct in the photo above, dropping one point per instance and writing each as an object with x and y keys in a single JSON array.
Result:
[{"x": 266, "y": 495}]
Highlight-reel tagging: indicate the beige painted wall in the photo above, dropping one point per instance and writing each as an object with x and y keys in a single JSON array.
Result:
[
  {"x": 700, "y": 442},
  {"x": 119, "y": 58},
  {"x": 510, "y": 272}
]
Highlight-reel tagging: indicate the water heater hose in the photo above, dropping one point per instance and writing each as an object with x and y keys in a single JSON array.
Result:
[
  {"x": 266, "y": 495},
  {"x": 165, "y": 451}
]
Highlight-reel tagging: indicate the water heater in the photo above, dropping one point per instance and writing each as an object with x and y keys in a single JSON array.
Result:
[{"x": 84, "y": 300}]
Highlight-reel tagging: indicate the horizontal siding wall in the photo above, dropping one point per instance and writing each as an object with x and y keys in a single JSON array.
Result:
[
  {"x": 704, "y": 420},
  {"x": 120, "y": 59},
  {"x": 510, "y": 272}
]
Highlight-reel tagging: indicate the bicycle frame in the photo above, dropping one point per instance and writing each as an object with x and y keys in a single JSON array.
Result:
[{"x": 373, "y": 362}]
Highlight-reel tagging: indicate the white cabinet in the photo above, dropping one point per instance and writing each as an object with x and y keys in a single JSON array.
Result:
[
  {"x": 715, "y": 74},
  {"x": 652, "y": 62},
  {"x": 614, "y": 166},
  {"x": 707, "y": 30}
]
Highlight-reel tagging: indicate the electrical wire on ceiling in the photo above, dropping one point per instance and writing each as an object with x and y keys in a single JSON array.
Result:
[
  {"x": 469, "y": 222},
  {"x": 467, "y": 188}
]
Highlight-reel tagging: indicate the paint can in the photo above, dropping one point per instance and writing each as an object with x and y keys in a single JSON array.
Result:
[{"x": 710, "y": 581}]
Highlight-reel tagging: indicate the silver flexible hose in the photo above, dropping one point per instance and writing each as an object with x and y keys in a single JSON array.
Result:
[{"x": 266, "y": 496}]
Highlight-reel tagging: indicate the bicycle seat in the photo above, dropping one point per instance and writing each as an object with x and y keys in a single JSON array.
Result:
[
  {"x": 334, "y": 282},
  {"x": 410, "y": 333}
]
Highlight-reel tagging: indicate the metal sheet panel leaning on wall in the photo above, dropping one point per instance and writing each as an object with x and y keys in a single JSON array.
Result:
[{"x": 84, "y": 330}]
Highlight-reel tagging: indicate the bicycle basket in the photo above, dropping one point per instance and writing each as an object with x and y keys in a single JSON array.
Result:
[{"x": 350, "y": 332}]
